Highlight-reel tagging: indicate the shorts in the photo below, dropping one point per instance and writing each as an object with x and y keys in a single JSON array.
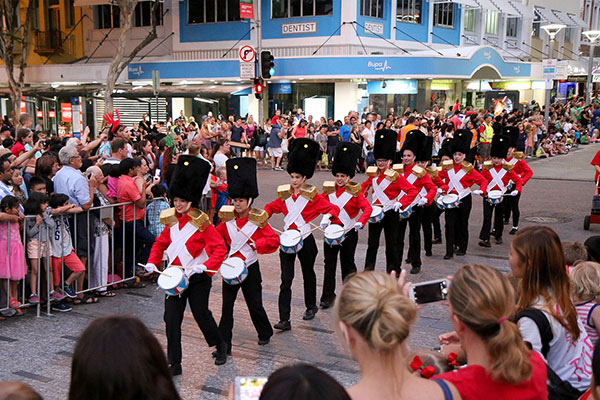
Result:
[
  {"x": 35, "y": 251},
  {"x": 276, "y": 152},
  {"x": 71, "y": 261}
]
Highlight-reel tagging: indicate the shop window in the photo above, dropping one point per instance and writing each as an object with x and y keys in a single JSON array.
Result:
[
  {"x": 106, "y": 17},
  {"x": 491, "y": 22},
  {"x": 300, "y": 8},
  {"x": 409, "y": 11},
  {"x": 443, "y": 15},
  {"x": 470, "y": 20},
  {"x": 512, "y": 27},
  {"x": 36, "y": 14},
  {"x": 568, "y": 34},
  {"x": 143, "y": 12},
  {"x": 69, "y": 13},
  {"x": 207, "y": 11},
  {"x": 537, "y": 22},
  {"x": 371, "y": 8}
]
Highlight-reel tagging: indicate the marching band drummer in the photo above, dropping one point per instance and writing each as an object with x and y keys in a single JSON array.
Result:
[
  {"x": 419, "y": 178},
  {"x": 348, "y": 197},
  {"x": 387, "y": 185},
  {"x": 190, "y": 240},
  {"x": 498, "y": 174},
  {"x": 246, "y": 233},
  {"x": 300, "y": 203},
  {"x": 521, "y": 168},
  {"x": 460, "y": 176}
]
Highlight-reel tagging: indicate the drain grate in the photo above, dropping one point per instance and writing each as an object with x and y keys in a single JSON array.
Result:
[{"x": 542, "y": 220}]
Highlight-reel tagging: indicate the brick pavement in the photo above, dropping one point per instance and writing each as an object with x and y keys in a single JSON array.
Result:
[{"x": 38, "y": 350}]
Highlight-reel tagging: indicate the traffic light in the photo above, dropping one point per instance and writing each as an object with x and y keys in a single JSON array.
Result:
[
  {"x": 267, "y": 64},
  {"x": 258, "y": 88}
]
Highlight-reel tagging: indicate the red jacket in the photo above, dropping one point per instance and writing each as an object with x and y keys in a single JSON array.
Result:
[
  {"x": 521, "y": 168},
  {"x": 208, "y": 240},
  {"x": 508, "y": 176},
  {"x": 471, "y": 178},
  {"x": 421, "y": 183},
  {"x": 352, "y": 207},
  {"x": 319, "y": 205},
  {"x": 265, "y": 239},
  {"x": 393, "y": 190}
]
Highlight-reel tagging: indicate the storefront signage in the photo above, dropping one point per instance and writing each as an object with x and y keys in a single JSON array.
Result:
[
  {"x": 246, "y": 9},
  {"x": 392, "y": 87},
  {"x": 280, "y": 88},
  {"x": 595, "y": 78},
  {"x": 299, "y": 28},
  {"x": 39, "y": 114},
  {"x": 65, "y": 112},
  {"x": 51, "y": 114},
  {"x": 549, "y": 68},
  {"x": 373, "y": 27}
]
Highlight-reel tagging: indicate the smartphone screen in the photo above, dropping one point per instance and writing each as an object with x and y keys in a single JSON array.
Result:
[
  {"x": 249, "y": 388},
  {"x": 430, "y": 292}
]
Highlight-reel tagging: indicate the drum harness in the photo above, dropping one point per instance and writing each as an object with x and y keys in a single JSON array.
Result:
[
  {"x": 341, "y": 203},
  {"x": 497, "y": 178},
  {"x": 177, "y": 248},
  {"x": 379, "y": 194},
  {"x": 239, "y": 240},
  {"x": 294, "y": 215},
  {"x": 455, "y": 184}
]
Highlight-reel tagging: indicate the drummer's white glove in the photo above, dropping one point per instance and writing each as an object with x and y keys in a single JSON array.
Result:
[
  {"x": 150, "y": 268},
  {"x": 199, "y": 268},
  {"x": 397, "y": 206},
  {"x": 325, "y": 222},
  {"x": 514, "y": 193},
  {"x": 358, "y": 226},
  {"x": 478, "y": 191},
  {"x": 439, "y": 190},
  {"x": 422, "y": 202}
]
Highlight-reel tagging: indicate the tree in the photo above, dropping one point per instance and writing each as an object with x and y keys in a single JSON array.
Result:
[
  {"x": 15, "y": 37},
  {"x": 120, "y": 61}
]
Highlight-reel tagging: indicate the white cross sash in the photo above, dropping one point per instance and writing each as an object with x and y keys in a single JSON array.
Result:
[
  {"x": 294, "y": 215},
  {"x": 379, "y": 194},
  {"x": 341, "y": 203},
  {"x": 239, "y": 240},
  {"x": 455, "y": 184},
  {"x": 497, "y": 178}
]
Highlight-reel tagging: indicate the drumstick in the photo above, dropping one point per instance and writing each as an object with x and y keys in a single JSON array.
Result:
[
  {"x": 277, "y": 230},
  {"x": 156, "y": 270},
  {"x": 248, "y": 237},
  {"x": 313, "y": 229}
]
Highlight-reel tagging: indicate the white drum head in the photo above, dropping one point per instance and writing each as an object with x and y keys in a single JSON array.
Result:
[
  {"x": 232, "y": 268},
  {"x": 376, "y": 211},
  {"x": 169, "y": 282},
  {"x": 290, "y": 238},
  {"x": 495, "y": 194},
  {"x": 333, "y": 232},
  {"x": 450, "y": 198}
]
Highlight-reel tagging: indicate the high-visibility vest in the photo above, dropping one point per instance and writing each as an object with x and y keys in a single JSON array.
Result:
[
  {"x": 474, "y": 138},
  {"x": 487, "y": 134}
]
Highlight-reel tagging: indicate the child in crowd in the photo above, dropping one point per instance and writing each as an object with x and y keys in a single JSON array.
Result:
[
  {"x": 585, "y": 277},
  {"x": 37, "y": 184},
  {"x": 219, "y": 191},
  {"x": 154, "y": 209},
  {"x": 12, "y": 267},
  {"x": 426, "y": 363},
  {"x": 39, "y": 226},
  {"x": 574, "y": 252},
  {"x": 62, "y": 249}
]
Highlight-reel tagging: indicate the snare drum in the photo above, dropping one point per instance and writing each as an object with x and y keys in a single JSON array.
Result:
[
  {"x": 291, "y": 241},
  {"x": 376, "y": 214},
  {"x": 451, "y": 200},
  {"x": 334, "y": 235},
  {"x": 173, "y": 281},
  {"x": 403, "y": 214},
  {"x": 494, "y": 197},
  {"x": 440, "y": 203},
  {"x": 233, "y": 271}
]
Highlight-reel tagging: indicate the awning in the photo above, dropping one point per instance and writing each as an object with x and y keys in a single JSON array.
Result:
[
  {"x": 564, "y": 19},
  {"x": 547, "y": 16},
  {"x": 525, "y": 12},
  {"x": 90, "y": 3},
  {"x": 506, "y": 8},
  {"x": 468, "y": 3},
  {"x": 577, "y": 21},
  {"x": 488, "y": 5}
]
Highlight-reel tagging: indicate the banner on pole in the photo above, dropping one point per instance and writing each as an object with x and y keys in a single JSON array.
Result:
[{"x": 246, "y": 9}]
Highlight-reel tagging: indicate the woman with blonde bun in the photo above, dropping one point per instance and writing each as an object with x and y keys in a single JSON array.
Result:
[
  {"x": 499, "y": 364},
  {"x": 374, "y": 319}
]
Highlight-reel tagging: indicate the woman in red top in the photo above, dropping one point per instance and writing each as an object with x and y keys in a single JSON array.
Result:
[
  {"x": 24, "y": 136},
  {"x": 500, "y": 366},
  {"x": 299, "y": 130}
]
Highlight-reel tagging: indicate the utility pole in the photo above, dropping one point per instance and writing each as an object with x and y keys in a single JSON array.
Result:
[{"x": 257, "y": 21}]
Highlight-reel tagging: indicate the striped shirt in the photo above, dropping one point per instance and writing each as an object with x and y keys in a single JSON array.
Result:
[{"x": 584, "y": 310}]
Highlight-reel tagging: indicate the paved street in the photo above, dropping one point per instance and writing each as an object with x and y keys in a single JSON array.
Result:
[{"x": 38, "y": 350}]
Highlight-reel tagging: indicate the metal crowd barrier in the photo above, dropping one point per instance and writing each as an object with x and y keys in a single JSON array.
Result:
[{"x": 110, "y": 277}]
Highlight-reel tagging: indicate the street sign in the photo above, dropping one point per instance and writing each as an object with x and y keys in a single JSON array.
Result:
[
  {"x": 595, "y": 78},
  {"x": 247, "y": 70},
  {"x": 51, "y": 114},
  {"x": 155, "y": 81},
  {"x": 247, "y": 53},
  {"x": 549, "y": 68},
  {"x": 246, "y": 9}
]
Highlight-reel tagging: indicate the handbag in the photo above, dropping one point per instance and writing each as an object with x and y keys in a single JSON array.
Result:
[
  {"x": 324, "y": 160},
  {"x": 284, "y": 145}
]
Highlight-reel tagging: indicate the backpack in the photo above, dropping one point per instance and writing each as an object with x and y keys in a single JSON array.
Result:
[{"x": 557, "y": 388}]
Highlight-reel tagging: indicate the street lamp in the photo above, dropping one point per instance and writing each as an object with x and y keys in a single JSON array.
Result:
[
  {"x": 552, "y": 30},
  {"x": 592, "y": 36}
]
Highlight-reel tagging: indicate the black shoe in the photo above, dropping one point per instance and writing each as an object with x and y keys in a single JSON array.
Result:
[
  {"x": 214, "y": 353},
  {"x": 460, "y": 252},
  {"x": 513, "y": 231},
  {"x": 448, "y": 256},
  {"x": 262, "y": 342},
  {"x": 437, "y": 241},
  {"x": 325, "y": 304},
  {"x": 221, "y": 356},
  {"x": 428, "y": 254},
  {"x": 499, "y": 240},
  {"x": 415, "y": 270},
  {"x": 485, "y": 243},
  {"x": 309, "y": 314},
  {"x": 283, "y": 326},
  {"x": 175, "y": 369}
]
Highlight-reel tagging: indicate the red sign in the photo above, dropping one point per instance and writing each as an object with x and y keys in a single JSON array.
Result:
[
  {"x": 23, "y": 108},
  {"x": 246, "y": 9},
  {"x": 247, "y": 53},
  {"x": 65, "y": 112},
  {"x": 39, "y": 114},
  {"x": 51, "y": 114}
]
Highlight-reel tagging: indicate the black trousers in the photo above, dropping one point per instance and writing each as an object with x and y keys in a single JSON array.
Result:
[
  {"x": 488, "y": 209},
  {"x": 346, "y": 250},
  {"x": 252, "y": 290},
  {"x": 143, "y": 244},
  {"x": 197, "y": 295},
  {"x": 429, "y": 216},
  {"x": 389, "y": 225},
  {"x": 414, "y": 236},
  {"x": 437, "y": 229},
  {"x": 306, "y": 255},
  {"x": 512, "y": 205},
  {"x": 457, "y": 225}
]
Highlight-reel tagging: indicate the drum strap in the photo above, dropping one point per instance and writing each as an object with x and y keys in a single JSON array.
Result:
[
  {"x": 497, "y": 179},
  {"x": 341, "y": 203},
  {"x": 379, "y": 196},
  {"x": 455, "y": 184},
  {"x": 294, "y": 215},
  {"x": 412, "y": 178},
  {"x": 177, "y": 247},
  {"x": 239, "y": 240},
  {"x": 513, "y": 161}
]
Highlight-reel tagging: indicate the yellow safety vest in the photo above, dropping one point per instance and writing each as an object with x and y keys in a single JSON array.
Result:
[{"x": 488, "y": 133}]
